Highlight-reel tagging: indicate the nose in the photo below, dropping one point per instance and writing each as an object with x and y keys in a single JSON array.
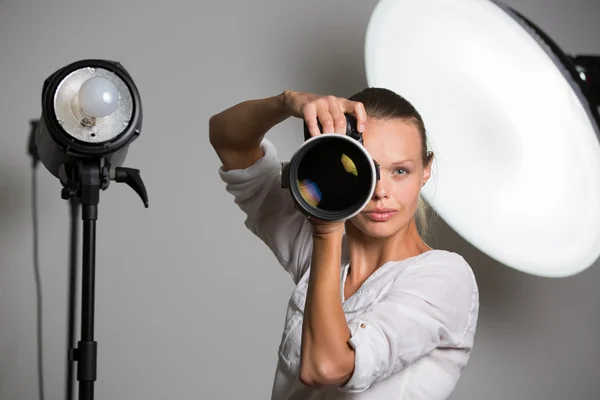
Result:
[{"x": 381, "y": 191}]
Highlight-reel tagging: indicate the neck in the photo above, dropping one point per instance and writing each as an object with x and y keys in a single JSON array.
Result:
[{"x": 367, "y": 254}]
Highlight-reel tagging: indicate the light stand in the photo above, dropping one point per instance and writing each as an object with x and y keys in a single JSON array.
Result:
[
  {"x": 91, "y": 112},
  {"x": 87, "y": 178}
]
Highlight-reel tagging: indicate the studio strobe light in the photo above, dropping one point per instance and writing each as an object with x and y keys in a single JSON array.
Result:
[
  {"x": 513, "y": 121},
  {"x": 91, "y": 113}
]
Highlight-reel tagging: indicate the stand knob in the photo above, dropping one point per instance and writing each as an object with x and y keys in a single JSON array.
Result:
[{"x": 133, "y": 179}]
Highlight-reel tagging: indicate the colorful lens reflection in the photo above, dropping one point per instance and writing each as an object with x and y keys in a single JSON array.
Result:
[
  {"x": 310, "y": 192},
  {"x": 349, "y": 166}
]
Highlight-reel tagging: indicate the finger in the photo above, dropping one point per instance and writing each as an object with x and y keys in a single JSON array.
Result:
[
  {"x": 324, "y": 116},
  {"x": 337, "y": 114},
  {"x": 358, "y": 109},
  {"x": 310, "y": 117},
  {"x": 361, "y": 116}
]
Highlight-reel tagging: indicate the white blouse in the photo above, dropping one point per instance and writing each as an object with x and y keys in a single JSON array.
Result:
[{"x": 412, "y": 322}]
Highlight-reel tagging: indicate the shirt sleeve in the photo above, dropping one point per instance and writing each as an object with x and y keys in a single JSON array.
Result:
[
  {"x": 434, "y": 305},
  {"x": 270, "y": 212}
]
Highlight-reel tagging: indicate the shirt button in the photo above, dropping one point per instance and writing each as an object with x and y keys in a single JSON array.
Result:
[{"x": 363, "y": 325}]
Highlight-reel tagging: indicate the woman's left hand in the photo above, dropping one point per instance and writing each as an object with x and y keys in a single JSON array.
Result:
[{"x": 327, "y": 228}]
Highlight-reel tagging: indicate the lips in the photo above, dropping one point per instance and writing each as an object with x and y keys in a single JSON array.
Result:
[{"x": 380, "y": 214}]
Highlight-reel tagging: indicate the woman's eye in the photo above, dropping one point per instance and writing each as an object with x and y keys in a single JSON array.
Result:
[{"x": 401, "y": 171}]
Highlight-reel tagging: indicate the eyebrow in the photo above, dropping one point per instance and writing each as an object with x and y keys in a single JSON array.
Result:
[
  {"x": 402, "y": 162},
  {"x": 398, "y": 163}
]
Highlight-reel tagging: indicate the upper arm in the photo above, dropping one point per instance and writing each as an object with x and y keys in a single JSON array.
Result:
[
  {"x": 235, "y": 160},
  {"x": 270, "y": 211},
  {"x": 433, "y": 306}
]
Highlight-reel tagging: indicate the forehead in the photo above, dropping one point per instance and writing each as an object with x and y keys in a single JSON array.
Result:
[{"x": 392, "y": 140}]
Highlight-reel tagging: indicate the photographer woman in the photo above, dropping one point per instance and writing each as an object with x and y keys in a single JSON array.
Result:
[{"x": 376, "y": 312}]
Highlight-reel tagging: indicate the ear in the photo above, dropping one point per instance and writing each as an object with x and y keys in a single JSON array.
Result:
[{"x": 427, "y": 169}]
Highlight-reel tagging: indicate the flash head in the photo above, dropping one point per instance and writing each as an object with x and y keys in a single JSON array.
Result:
[
  {"x": 90, "y": 109},
  {"x": 91, "y": 113},
  {"x": 331, "y": 177}
]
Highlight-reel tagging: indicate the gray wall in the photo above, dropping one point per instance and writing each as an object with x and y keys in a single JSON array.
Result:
[{"x": 180, "y": 311}]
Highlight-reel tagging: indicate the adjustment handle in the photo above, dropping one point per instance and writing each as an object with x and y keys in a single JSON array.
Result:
[{"x": 133, "y": 179}]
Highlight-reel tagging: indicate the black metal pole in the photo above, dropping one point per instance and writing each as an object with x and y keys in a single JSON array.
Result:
[
  {"x": 87, "y": 363},
  {"x": 72, "y": 305},
  {"x": 89, "y": 184}
]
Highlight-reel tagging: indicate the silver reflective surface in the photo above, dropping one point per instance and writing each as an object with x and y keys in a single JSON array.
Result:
[{"x": 79, "y": 126}]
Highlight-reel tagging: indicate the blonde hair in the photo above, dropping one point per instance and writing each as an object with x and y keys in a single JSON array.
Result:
[{"x": 421, "y": 217}]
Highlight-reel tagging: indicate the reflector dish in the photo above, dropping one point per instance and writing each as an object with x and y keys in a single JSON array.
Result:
[{"x": 517, "y": 158}]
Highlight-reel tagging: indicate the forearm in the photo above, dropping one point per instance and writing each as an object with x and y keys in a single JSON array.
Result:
[
  {"x": 327, "y": 358},
  {"x": 241, "y": 128}
]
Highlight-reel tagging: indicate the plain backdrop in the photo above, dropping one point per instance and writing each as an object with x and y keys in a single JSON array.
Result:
[{"x": 189, "y": 304}]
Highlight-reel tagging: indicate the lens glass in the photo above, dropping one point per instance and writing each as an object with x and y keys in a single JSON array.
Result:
[{"x": 334, "y": 175}]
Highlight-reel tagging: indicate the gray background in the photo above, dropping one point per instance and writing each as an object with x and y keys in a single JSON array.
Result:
[{"x": 189, "y": 304}]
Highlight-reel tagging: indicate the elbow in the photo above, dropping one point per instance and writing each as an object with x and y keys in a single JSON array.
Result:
[
  {"x": 335, "y": 371},
  {"x": 218, "y": 136},
  {"x": 213, "y": 127}
]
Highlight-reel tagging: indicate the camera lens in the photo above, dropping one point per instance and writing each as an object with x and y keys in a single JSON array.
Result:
[{"x": 332, "y": 177}]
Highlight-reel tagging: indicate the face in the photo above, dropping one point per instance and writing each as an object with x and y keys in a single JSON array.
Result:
[{"x": 396, "y": 146}]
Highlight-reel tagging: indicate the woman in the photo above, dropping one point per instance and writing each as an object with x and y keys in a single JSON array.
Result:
[{"x": 376, "y": 313}]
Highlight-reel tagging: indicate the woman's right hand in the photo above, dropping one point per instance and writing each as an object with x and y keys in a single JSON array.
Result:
[{"x": 328, "y": 110}]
